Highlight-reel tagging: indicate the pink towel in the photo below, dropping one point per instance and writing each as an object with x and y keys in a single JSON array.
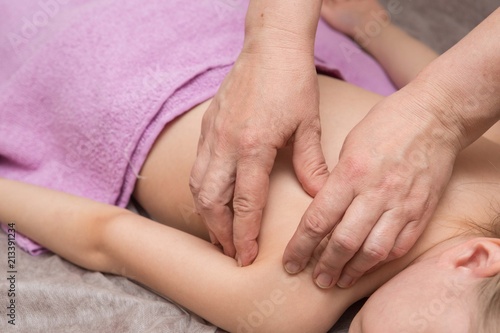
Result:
[{"x": 87, "y": 86}]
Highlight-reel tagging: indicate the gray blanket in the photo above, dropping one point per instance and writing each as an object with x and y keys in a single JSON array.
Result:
[{"x": 53, "y": 295}]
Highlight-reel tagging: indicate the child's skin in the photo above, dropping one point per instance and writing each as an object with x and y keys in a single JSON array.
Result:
[
  {"x": 195, "y": 273},
  {"x": 392, "y": 47}
]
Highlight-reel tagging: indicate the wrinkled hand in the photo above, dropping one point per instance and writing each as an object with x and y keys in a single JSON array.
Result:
[
  {"x": 392, "y": 170},
  {"x": 263, "y": 105}
]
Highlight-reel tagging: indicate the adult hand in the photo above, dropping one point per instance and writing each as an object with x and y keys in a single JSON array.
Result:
[
  {"x": 268, "y": 100},
  {"x": 392, "y": 170}
]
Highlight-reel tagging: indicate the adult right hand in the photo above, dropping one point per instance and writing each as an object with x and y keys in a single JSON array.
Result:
[
  {"x": 392, "y": 170},
  {"x": 268, "y": 100}
]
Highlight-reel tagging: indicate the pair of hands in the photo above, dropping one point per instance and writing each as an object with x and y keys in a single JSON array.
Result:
[{"x": 371, "y": 208}]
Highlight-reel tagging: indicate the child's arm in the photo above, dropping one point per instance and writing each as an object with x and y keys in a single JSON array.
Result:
[
  {"x": 401, "y": 55},
  {"x": 187, "y": 269},
  {"x": 109, "y": 239},
  {"x": 70, "y": 226}
]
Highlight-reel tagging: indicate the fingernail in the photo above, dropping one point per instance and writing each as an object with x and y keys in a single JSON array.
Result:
[
  {"x": 345, "y": 281},
  {"x": 292, "y": 267},
  {"x": 324, "y": 280},
  {"x": 238, "y": 260}
]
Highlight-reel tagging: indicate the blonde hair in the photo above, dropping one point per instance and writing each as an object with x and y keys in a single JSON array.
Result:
[
  {"x": 489, "y": 305},
  {"x": 489, "y": 295}
]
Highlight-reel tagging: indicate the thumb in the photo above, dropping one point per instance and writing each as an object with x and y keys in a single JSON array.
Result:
[{"x": 308, "y": 159}]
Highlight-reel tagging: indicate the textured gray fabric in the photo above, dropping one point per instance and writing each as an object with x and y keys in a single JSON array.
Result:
[
  {"x": 441, "y": 23},
  {"x": 53, "y": 295}
]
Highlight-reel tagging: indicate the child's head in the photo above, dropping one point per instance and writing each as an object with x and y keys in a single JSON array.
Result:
[{"x": 453, "y": 287}]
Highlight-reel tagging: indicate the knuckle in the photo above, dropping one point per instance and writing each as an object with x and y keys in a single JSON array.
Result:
[
  {"x": 246, "y": 247},
  {"x": 375, "y": 252},
  {"x": 219, "y": 126},
  {"x": 355, "y": 168},
  {"x": 424, "y": 203},
  {"x": 316, "y": 225},
  {"x": 311, "y": 130},
  {"x": 345, "y": 243},
  {"x": 412, "y": 231},
  {"x": 208, "y": 116},
  {"x": 314, "y": 166},
  {"x": 205, "y": 203},
  {"x": 354, "y": 270},
  {"x": 194, "y": 184},
  {"x": 315, "y": 129},
  {"x": 399, "y": 251},
  {"x": 243, "y": 205},
  {"x": 391, "y": 183},
  {"x": 328, "y": 265},
  {"x": 248, "y": 142},
  {"x": 296, "y": 253}
]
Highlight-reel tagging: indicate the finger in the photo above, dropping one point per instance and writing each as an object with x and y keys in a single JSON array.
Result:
[
  {"x": 318, "y": 251},
  {"x": 375, "y": 249},
  {"x": 213, "y": 200},
  {"x": 203, "y": 155},
  {"x": 250, "y": 197},
  {"x": 406, "y": 243},
  {"x": 199, "y": 170},
  {"x": 206, "y": 124},
  {"x": 346, "y": 240},
  {"x": 213, "y": 238},
  {"x": 406, "y": 239},
  {"x": 320, "y": 218},
  {"x": 308, "y": 159},
  {"x": 201, "y": 142}
]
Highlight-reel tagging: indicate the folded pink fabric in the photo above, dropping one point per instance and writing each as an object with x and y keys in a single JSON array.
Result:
[{"x": 87, "y": 86}]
